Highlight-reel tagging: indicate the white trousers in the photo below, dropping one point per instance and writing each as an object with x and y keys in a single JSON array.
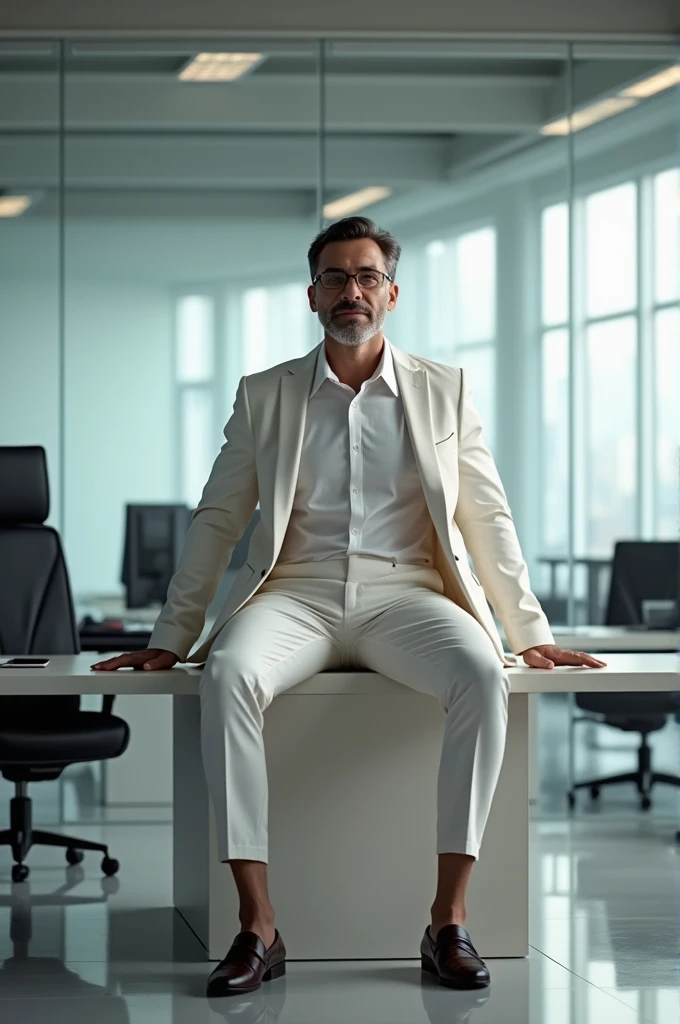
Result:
[{"x": 356, "y": 612}]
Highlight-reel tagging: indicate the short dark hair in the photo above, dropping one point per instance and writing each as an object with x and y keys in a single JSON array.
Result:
[{"x": 355, "y": 227}]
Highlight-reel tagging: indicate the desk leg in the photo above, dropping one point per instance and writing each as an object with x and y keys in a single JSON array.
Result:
[
  {"x": 191, "y": 819},
  {"x": 534, "y": 784},
  {"x": 593, "y": 594}
]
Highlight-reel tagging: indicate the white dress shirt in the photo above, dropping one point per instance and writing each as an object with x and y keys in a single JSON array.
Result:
[{"x": 358, "y": 490}]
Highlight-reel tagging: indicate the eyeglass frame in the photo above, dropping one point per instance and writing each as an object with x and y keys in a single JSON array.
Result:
[{"x": 366, "y": 270}]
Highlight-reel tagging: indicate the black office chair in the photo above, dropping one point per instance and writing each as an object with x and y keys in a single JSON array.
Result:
[
  {"x": 641, "y": 570},
  {"x": 41, "y": 735}
]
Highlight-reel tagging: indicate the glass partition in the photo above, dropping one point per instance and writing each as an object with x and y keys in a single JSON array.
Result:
[
  {"x": 31, "y": 368},
  {"x": 191, "y": 178},
  {"x": 30, "y": 254},
  {"x": 157, "y": 200},
  {"x": 444, "y": 144}
]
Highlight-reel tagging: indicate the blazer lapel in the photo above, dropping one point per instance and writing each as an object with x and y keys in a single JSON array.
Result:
[
  {"x": 414, "y": 388},
  {"x": 294, "y": 388}
]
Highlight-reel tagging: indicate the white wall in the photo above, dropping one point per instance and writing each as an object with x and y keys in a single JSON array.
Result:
[
  {"x": 29, "y": 370},
  {"x": 119, "y": 441}
]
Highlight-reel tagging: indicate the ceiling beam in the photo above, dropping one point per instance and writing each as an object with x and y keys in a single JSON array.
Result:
[
  {"x": 419, "y": 104},
  {"x": 594, "y": 80},
  {"x": 220, "y": 162}
]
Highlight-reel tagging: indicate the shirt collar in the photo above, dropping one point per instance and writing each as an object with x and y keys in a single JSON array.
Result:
[{"x": 384, "y": 369}]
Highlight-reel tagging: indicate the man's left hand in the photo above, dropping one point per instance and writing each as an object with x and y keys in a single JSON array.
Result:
[{"x": 547, "y": 656}]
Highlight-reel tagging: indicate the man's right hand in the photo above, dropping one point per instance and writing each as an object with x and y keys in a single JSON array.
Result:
[{"x": 150, "y": 659}]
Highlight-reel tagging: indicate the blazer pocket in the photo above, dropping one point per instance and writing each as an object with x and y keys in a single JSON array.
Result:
[{"x": 448, "y": 438}]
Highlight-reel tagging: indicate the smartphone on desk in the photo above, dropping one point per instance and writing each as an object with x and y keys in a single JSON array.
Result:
[{"x": 25, "y": 663}]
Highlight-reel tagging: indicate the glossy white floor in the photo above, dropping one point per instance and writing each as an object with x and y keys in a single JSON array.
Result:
[{"x": 604, "y": 925}]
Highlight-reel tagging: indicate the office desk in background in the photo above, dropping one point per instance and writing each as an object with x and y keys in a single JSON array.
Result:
[{"x": 594, "y": 565}]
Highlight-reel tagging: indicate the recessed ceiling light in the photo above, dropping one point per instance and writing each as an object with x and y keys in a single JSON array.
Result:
[
  {"x": 13, "y": 206},
  {"x": 219, "y": 67},
  {"x": 655, "y": 83},
  {"x": 355, "y": 201},
  {"x": 589, "y": 115}
]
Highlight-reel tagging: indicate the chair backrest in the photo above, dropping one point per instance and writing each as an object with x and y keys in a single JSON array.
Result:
[
  {"x": 36, "y": 606},
  {"x": 642, "y": 570}
]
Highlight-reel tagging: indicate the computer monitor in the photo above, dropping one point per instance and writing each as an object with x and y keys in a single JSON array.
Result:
[
  {"x": 154, "y": 538},
  {"x": 642, "y": 571}
]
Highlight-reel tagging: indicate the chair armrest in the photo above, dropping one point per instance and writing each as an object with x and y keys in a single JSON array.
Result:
[{"x": 107, "y": 703}]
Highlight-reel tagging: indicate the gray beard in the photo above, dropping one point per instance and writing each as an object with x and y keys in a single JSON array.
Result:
[{"x": 354, "y": 333}]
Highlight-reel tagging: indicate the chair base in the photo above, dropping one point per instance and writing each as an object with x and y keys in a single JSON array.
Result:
[
  {"x": 21, "y": 836},
  {"x": 644, "y": 778}
]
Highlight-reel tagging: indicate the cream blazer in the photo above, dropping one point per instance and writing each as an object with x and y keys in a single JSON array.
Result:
[{"x": 260, "y": 460}]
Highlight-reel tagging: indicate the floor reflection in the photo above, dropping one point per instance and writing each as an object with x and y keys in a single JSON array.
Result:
[
  {"x": 605, "y": 907},
  {"x": 34, "y": 988}
]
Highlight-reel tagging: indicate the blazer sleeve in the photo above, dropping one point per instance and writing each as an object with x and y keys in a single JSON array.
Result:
[
  {"x": 227, "y": 503},
  {"x": 485, "y": 521}
]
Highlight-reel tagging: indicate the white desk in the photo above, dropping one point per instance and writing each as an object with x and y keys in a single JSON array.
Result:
[{"x": 352, "y": 869}]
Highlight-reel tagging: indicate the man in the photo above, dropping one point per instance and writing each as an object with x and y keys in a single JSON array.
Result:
[{"x": 373, "y": 482}]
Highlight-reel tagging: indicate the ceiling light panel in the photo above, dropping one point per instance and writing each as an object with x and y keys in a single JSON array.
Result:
[
  {"x": 589, "y": 115},
  {"x": 13, "y": 206},
  {"x": 355, "y": 201},
  {"x": 219, "y": 67},
  {"x": 654, "y": 83}
]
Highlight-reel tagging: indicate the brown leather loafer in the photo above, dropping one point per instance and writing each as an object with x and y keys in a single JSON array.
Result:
[
  {"x": 247, "y": 964},
  {"x": 453, "y": 957}
]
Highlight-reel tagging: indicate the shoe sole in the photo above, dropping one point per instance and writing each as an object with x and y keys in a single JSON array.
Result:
[
  {"x": 429, "y": 965},
  {"x": 277, "y": 971}
]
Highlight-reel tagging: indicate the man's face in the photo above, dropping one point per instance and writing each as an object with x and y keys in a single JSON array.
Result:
[{"x": 352, "y": 315}]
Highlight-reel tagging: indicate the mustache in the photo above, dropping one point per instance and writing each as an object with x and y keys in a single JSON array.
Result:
[{"x": 351, "y": 309}]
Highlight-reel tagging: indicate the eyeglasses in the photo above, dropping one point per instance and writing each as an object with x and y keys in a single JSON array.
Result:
[{"x": 335, "y": 279}]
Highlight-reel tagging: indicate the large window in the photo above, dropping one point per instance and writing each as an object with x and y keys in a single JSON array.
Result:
[
  {"x": 460, "y": 275},
  {"x": 666, "y": 350},
  {"x": 626, "y": 336},
  {"x": 195, "y": 377},
  {"x": 277, "y": 325},
  {"x": 270, "y": 324}
]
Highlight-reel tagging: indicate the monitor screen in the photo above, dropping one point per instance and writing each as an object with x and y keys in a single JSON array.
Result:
[{"x": 154, "y": 538}]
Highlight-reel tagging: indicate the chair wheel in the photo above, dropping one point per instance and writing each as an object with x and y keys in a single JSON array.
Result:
[
  {"x": 20, "y": 872},
  {"x": 110, "y": 865},
  {"x": 74, "y": 856},
  {"x": 594, "y": 792},
  {"x": 645, "y": 803}
]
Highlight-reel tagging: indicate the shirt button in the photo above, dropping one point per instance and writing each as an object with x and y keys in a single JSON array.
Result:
[
  {"x": 355, "y": 447},
  {"x": 356, "y": 490},
  {"x": 355, "y": 530}
]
